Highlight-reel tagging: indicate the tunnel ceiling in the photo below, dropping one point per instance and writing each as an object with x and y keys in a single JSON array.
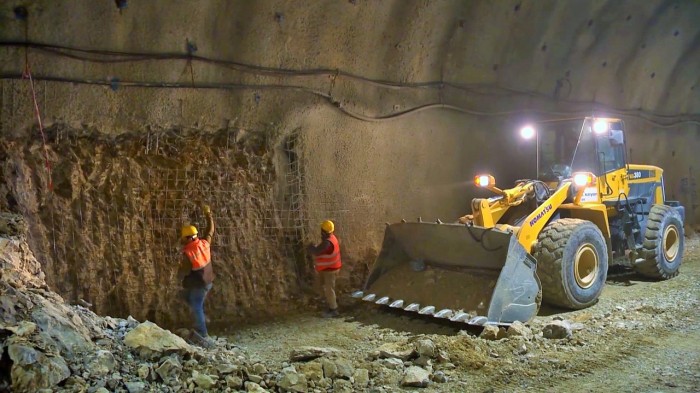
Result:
[{"x": 626, "y": 55}]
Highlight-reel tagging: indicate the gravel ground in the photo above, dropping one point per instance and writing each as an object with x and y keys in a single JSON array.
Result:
[{"x": 642, "y": 336}]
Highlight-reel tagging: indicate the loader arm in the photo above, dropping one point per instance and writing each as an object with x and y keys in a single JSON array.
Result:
[{"x": 535, "y": 222}]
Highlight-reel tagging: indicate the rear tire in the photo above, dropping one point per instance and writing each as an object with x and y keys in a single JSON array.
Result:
[
  {"x": 572, "y": 263},
  {"x": 663, "y": 244}
]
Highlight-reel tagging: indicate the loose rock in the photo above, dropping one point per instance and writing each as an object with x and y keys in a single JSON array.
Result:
[
  {"x": 292, "y": 382},
  {"x": 416, "y": 377},
  {"x": 361, "y": 377},
  {"x": 309, "y": 353},
  {"x": 151, "y": 340},
  {"x": 426, "y": 348},
  {"x": 557, "y": 329},
  {"x": 518, "y": 329},
  {"x": 492, "y": 332}
]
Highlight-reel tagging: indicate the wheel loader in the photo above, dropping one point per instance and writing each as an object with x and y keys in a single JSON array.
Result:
[{"x": 548, "y": 239}]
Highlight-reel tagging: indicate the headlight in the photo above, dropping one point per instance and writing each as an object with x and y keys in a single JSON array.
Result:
[
  {"x": 584, "y": 179},
  {"x": 484, "y": 180}
]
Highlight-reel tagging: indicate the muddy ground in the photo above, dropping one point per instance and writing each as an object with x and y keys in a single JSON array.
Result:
[{"x": 642, "y": 336}]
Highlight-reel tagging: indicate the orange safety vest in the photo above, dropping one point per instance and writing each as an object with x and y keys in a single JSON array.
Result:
[
  {"x": 329, "y": 261},
  {"x": 198, "y": 252}
]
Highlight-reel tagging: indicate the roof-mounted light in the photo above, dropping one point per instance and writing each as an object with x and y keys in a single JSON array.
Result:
[{"x": 600, "y": 126}]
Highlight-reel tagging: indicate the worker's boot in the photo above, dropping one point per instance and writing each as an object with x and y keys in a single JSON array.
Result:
[
  {"x": 330, "y": 313},
  {"x": 204, "y": 342}
]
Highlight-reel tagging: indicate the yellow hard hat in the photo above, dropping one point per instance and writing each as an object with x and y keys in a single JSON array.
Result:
[
  {"x": 188, "y": 230},
  {"x": 328, "y": 226}
]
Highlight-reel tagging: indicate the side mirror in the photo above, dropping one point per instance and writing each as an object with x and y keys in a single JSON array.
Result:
[{"x": 616, "y": 137}]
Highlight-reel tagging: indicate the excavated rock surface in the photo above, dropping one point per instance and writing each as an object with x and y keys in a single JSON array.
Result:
[{"x": 108, "y": 232}]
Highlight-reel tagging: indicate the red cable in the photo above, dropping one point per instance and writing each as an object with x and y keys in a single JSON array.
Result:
[{"x": 28, "y": 74}]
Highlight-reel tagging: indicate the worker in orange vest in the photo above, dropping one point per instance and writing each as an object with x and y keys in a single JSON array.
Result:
[
  {"x": 196, "y": 273},
  {"x": 327, "y": 263}
]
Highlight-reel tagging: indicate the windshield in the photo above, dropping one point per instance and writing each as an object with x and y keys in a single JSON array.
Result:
[{"x": 572, "y": 146}]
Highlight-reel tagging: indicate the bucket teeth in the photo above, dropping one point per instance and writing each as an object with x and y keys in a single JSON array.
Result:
[
  {"x": 460, "y": 316},
  {"x": 396, "y": 304},
  {"x": 384, "y": 300},
  {"x": 480, "y": 321},
  {"x": 427, "y": 310},
  {"x": 446, "y": 313},
  {"x": 412, "y": 307},
  {"x": 370, "y": 297},
  {"x": 357, "y": 294}
]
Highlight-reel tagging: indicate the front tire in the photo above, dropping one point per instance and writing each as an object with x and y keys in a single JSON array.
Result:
[
  {"x": 663, "y": 244},
  {"x": 572, "y": 263}
]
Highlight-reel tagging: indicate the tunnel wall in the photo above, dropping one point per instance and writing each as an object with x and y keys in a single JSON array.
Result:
[{"x": 399, "y": 104}]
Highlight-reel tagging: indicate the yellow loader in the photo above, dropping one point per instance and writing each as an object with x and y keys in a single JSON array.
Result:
[{"x": 548, "y": 239}]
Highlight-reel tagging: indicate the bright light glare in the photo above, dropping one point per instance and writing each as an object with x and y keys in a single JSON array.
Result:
[
  {"x": 600, "y": 126},
  {"x": 527, "y": 132},
  {"x": 483, "y": 181},
  {"x": 582, "y": 179}
]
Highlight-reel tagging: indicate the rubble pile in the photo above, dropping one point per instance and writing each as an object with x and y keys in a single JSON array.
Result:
[{"x": 48, "y": 345}]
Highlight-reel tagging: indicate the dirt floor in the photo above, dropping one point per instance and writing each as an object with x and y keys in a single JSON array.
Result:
[{"x": 642, "y": 336}]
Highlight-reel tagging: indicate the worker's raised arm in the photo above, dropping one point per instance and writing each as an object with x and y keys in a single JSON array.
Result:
[{"x": 209, "y": 232}]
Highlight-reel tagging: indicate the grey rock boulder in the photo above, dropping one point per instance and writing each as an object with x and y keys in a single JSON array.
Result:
[
  {"x": 304, "y": 354},
  {"x": 415, "y": 377},
  {"x": 202, "y": 380},
  {"x": 426, "y": 348},
  {"x": 518, "y": 329},
  {"x": 557, "y": 329},
  {"x": 33, "y": 370},
  {"x": 344, "y": 368},
  {"x": 312, "y": 370},
  {"x": 492, "y": 332},
  {"x": 150, "y": 340},
  {"x": 169, "y": 369},
  {"x": 135, "y": 386},
  {"x": 100, "y": 363},
  {"x": 292, "y": 382},
  {"x": 361, "y": 377}
]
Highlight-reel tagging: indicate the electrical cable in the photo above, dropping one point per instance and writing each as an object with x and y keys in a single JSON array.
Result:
[
  {"x": 120, "y": 56},
  {"x": 358, "y": 116}
]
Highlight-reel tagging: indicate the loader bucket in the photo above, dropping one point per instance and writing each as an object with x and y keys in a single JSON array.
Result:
[{"x": 463, "y": 273}]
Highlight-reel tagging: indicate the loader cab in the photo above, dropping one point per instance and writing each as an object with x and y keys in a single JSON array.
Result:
[{"x": 594, "y": 145}]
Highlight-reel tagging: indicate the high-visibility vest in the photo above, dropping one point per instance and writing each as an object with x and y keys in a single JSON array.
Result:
[
  {"x": 198, "y": 252},
  {"x": 329, "y": 261}
]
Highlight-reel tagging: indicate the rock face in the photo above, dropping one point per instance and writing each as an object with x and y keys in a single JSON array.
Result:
[{"x": 151, "y": 340}]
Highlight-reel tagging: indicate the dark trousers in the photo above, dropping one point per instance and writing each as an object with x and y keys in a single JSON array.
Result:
[{"x": 195, "y": 298}]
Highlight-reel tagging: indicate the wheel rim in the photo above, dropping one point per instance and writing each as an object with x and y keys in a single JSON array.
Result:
[
  {"x": 671, "y": 242},
  {"x": 586, "y": 266}
]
